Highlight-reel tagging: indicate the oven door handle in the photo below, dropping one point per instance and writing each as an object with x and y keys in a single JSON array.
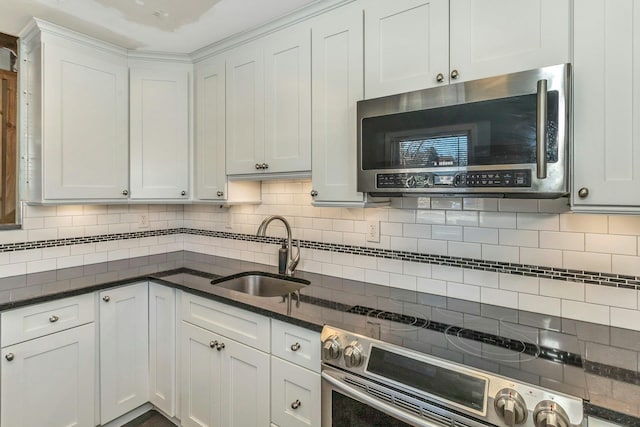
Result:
[
  {"x": 541, "y": 130},
  {"x": 375, "y": 403}
]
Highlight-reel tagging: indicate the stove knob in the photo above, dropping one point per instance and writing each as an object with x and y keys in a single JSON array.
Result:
[
  {"x": 510, "y": 406},
  {"x": 353, "y": 355},
  {"x": 331, "y": 348},
  {"x": 549, "y": 414}
]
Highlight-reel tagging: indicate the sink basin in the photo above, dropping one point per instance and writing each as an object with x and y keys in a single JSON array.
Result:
[{"x": 261, "y": 284}]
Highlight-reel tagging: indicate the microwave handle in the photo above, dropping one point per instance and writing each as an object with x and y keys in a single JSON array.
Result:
[{"x": 541, "y": 130}]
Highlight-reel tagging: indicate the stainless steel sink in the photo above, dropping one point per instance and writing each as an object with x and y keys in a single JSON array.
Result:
[{"x": 261, "y": 284}]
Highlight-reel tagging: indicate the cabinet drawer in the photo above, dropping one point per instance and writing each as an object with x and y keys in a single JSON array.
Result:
[
  {"x": 295, "y": 395},
  {"x": 295, "y": 344},
  {"x": 26, "y": 323},
  {"x": 243, "y": 326}
]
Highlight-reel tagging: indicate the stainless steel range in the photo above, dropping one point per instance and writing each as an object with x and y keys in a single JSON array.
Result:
[{"x": 368, "y": 382}]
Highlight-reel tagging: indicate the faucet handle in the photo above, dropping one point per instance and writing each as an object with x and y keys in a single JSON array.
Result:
[{"x": 294, "y": 260}]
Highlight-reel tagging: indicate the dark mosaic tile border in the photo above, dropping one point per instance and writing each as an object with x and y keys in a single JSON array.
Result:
[
  {"x": 541, "y": 352},
  {"x": 610, "y": 415},
  {"x": 563, "y": 274},
  {"x": 612, "y": 372}
]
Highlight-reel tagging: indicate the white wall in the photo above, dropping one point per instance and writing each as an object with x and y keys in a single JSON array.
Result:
[{"x": 532, "y": 232}]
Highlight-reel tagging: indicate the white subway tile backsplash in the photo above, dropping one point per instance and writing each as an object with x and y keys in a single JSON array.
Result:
[
  {"x": 431, "y": 217},
  {"x": 521, "y": 238},
  {"x": 417, "y": 269},
  {"x": 584, "y": 223},
  {"x": 465, "y": 250},
  {"x": 584, "y": 311},
  {"x": 522, "y": 284},
  {"x": 587, "y": 261},
  {"x": 462, "y": 291},
  {"x": 391, "y": 229},
  {"x": 446, "y": 273},
  {"x": 545, "y": 257},
  {"x": 618, "y": 297},
  {"x": 509, "y": 254},
  {"x": 353, "y": 273},
  {"x": 562, "y": 240},
  {"x": 529, "y": 221},
  {"x": 446, "y": 232},
  {"x": 477, "y": 204},
  {"x": 432, "y": 286},
  {"x": 497, "y": 219},
  {"x": 623, "y": 245},
  {"x": 450, "y": 204},
  {"x": 622, "y": 264},
  {"x": 462, "y": 218},
  {"x": 488, "y": 279},
  {"x": 624, "y": 224},
  {"x": 42, "y": 234},
  {"x": 499, "y": 297},
  {"x": 376, "y": 277},
  {"x": 416, "y": 230},
  {"x": 404, "y": 244},
  {"x": 539, "y": 304},
  {"x": 343, "y": 225},
  {"x": 623, "y": 318},
  {"x": 480, "y": 235},
  {"x": 401, "y": 281},
  {"x": 561, "y": 289},
  {"x": 41, "y": 265},
  {"x": 402, "y": 215},
  {"x": 390, "y": 265},
  {"x": 434, "y": 247}
]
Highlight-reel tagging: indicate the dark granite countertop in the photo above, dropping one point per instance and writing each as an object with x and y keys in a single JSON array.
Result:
[{"x": 595, "y": 362}]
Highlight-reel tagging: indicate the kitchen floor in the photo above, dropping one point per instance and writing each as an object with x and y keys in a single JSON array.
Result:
[{"x": 150, "y": 419}]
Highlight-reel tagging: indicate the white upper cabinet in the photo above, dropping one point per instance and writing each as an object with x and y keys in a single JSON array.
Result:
[
  {"x": 493, "y": 37},
  {"x": 75, "y": 99},
  {"x": 406, "y": 45},
  {"x": 337, "y": 67},
  {"x": 606, "y": 155},
  {"x": 159, "y": 115},
  {"x": 417, "y": 44},
  {"x": 268, "y": 87},
  {"x": 211, "y": 178}
]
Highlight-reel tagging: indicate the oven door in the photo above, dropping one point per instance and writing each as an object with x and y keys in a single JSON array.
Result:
[{"x": 344, "y": 404}]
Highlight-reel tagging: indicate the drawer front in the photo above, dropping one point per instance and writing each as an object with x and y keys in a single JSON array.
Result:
[
  {"x": 295, "y": 395},
  {"x": 241, "y": 325},
  {"x": 295, "y": 344},
  {"x": 33, "y": 321}
]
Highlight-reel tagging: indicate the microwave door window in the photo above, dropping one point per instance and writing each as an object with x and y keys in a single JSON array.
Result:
[{"x": 495, "y": 132}]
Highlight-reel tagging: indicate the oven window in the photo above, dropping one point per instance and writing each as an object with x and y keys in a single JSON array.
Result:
[
  {"x": 346, "y": 411},
  {"x": 494, "y": 132},
  {"x": 454, "y": 386}
]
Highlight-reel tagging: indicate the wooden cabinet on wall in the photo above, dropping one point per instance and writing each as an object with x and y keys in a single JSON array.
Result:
[
  {"x": 159, "y": 129},
  {"x": 417, "y": 44},
  {"x": 75, "y": 93},
  {"x": 268, "y": 109},
  {"x": 606, "y": 152}
]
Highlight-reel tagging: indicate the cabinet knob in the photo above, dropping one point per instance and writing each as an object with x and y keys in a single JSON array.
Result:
[
  {"x": 265, "y": 166},
  {"x": 213, "y": 344},
  {"x": 454, "y": 74},
  {"x": 53, "y": 319},
  {"x": 296, "y": 404},
  {"x": 125, "y": 192},
  {"x": 220, "y": 346},
  {"x": 314, "y": 193},
  {"x": 439, "y": 77},
  {"x": 258, "y": 166},
  {"x": 106, "y": 298},
  {"x": 295, "y": 347},
  {"x": 183, "y": 193},
  {"x": 220, "y": 193},
  {"x": 9, "y": 357},
  {"x": 583, "y": 192}
]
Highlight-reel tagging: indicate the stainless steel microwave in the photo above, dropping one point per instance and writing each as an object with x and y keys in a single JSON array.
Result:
[{"x": 505, "y": 136}]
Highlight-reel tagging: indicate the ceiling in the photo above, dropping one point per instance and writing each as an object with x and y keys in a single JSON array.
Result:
[{"x": 180, "y": 26}]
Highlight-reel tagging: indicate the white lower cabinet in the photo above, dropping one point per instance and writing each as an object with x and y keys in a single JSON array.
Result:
[
  {"x": 162, "y": 348},
  {"x": 295, "y": 395},
  {"x": 124, "y": 350},
  {"x": 50, "y": 381},
  {"x": 224, "y": 383}
]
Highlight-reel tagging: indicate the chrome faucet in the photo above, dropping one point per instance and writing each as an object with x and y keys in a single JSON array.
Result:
[{"x": 292, "y": 262}]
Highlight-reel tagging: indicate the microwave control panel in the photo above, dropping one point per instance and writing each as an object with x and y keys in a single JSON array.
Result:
[{"x": 470, "y": 179}]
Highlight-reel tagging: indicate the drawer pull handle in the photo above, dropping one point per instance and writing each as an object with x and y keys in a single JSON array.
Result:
[
  {"x": 295, "y": 347},
  {"x": 53, "y": 319},
  {"x": 106, "y": 298},
  {"x": 9, "y": 357},
  {"x": 296, "y": 404}
]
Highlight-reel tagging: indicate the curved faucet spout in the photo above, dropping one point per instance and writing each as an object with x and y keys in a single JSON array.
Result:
[{"x": 292, "y": 262}]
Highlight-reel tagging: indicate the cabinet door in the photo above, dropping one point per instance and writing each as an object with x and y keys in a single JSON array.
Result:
[
  {"x": 159, "y": 125},
  {"x": 494, "y": 37},
  {"x": 50, "y": 381},
  {"x": 245, "y": 381},
  {"x": 124, "y": 350},
  {"x": 162, "y": 347},
  {"x": 295, "y": 395},
  {"x": 210, "y": 130},
  {"x": 85, "y": 128},
  {"x": 288, "y": 100},
  {"x": 200, "y": 378},
  {"x": 606, "y": 155},
  {"x": 407, "y": 45},
  {"x": 337, "y": 85},
  {"x": 245, "y": 110}
]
